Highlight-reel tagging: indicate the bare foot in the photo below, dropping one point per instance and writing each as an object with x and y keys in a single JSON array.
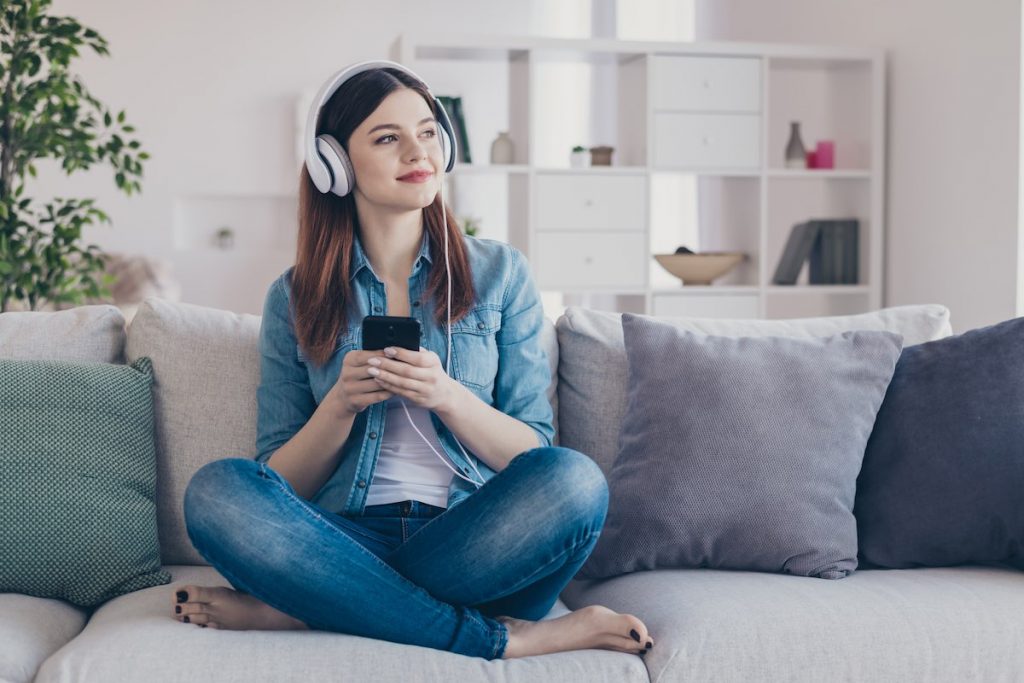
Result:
[
  {"x": 594, "y": 626},
  {"x": 226, "y": 608}
]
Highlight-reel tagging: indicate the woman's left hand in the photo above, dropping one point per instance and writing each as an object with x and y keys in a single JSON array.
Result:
[{"x": 414, "y": 375}]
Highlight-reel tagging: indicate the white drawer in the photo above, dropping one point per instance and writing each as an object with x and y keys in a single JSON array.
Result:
[
  {"x": 706, "y": 83},
  {"x": 707, "y": 140},
  {"x": 591, "y": 202},
  {"x": 576, "y": 259},
  {"x": 706, "y": 305}
]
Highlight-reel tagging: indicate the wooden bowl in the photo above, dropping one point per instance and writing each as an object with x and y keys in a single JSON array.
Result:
[{"x": 702, "y": 268}]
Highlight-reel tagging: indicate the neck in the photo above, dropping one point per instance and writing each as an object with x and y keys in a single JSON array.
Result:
[{"x": 391, "y": 242}]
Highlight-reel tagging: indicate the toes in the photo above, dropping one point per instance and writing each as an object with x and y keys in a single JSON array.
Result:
[
  {"x": 198, "y": 619},
  {"x": 192, "y": 594},
  {"x": 638, "y": 632},
  {"x": 189, "y": 609}
]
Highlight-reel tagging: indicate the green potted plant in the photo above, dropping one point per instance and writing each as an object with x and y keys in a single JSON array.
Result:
[
  {"x": 46, "y": 112},
  {"x": 470, "y": 225},
  {"x": 578, "y": 158}
]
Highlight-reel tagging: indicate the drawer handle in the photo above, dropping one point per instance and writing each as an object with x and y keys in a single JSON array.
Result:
[
  {"x": 707, "y": 83},
  {"x": 588, "y": 202},
  {"x": 588, "y": 259},
  {"x": 707, "y": 139}
]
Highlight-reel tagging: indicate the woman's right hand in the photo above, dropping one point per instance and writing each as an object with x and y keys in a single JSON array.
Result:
[{"x": 356, "y": 389}]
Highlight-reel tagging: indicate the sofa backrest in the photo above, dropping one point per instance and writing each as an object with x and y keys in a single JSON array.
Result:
[
  {"x": 593, "y": 370},
  {"x": 206, "y": 369},
  {"x": 85, "y": 333}
]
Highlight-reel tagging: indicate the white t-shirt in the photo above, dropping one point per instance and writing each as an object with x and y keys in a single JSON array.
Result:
[{"x": 407, "y": 469}]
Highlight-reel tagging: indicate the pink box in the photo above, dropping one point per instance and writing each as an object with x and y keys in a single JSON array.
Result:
[{"x": 824, "y": 155}]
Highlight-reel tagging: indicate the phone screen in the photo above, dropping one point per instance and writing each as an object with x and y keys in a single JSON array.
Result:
[{"x": 380, "y": 331}]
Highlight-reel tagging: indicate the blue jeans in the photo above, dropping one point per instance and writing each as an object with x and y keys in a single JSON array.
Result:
[{"x": 406, "y": 572}]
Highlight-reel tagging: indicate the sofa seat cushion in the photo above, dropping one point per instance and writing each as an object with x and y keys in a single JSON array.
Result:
[
  {"x": 137, "y": 638},
  {"x": 31, "y": 629},
  {"x": 934, "y": 624}
]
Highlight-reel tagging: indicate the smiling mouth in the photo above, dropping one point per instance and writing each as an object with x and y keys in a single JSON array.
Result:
[{"x": 416, "y": 177}]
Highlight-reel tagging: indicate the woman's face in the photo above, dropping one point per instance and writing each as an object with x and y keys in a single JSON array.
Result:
[{"x": 399, "y": 137}]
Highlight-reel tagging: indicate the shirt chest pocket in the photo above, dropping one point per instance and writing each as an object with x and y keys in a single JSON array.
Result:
[{"x": 475, "y": 348}]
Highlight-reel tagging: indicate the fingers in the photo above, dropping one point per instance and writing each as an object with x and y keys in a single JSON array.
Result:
[
  {"x": 398, "y": 369},
  {"x": 392, "y": 381},
  {"x": 419, "y": 358}
]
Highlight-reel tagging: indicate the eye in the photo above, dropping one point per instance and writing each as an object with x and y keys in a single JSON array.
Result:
[{"x": 381, "y": 139}]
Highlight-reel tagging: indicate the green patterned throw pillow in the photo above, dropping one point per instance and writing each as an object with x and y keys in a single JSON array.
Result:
[{"x": 77, "y": 480}]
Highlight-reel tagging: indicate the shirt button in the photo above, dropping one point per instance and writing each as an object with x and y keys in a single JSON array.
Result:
[
  {"x": 362, "y": 483},
  {"x": 373, "y": 435},
  {"x": 480, "y": 326},
  {"x": 415, "y": 303},
  {"x": 376, "y": 309}
]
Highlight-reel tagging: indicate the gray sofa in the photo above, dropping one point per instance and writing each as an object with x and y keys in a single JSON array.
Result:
[{"x": 927, "y": 624}]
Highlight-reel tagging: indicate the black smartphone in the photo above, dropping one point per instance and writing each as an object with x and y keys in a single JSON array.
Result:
[{"x": 380, "y": 331}]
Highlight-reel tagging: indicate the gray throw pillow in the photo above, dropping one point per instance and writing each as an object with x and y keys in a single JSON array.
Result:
[{"x": 741, "y": 452}]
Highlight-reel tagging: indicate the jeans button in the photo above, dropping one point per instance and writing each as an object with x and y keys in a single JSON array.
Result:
[
  {"x": 362, "y": 483},
  {"x": 373, "y": 435}
]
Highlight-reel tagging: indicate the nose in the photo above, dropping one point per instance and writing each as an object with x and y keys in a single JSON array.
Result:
[{"x": 420, "y": 149}]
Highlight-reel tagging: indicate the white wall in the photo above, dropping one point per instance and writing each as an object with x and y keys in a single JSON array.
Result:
[
  {"x": 953, "y": 135},
  {"x": 211, "y": 89}
]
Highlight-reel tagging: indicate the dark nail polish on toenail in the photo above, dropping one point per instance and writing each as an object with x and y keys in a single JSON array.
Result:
[
  {"x": 187, "y": 620},
  {"x": 177, "y": 609},
  {"x": 182, "y": 596},
  {"x": 649, "y": 645},
  {"x": 634, "y": 634},
  {"x": 642, "y": 652}
]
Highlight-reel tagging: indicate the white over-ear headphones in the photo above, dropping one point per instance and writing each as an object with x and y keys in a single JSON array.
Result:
[{"x": 326, "y": 161}]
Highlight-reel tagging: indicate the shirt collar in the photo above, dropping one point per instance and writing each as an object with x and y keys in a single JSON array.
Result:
[{"x": 359, "y": 260}]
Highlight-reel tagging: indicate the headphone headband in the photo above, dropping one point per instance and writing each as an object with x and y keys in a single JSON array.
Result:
[{"x": 338, "y": 177}]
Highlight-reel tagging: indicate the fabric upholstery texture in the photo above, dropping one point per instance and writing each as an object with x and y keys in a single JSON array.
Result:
[
  {"x": 592, "y": 370},
  {"x": 943, "y": 476},
  {"x": 77, "y": 492},
  {"x": 741, "y": 452}
]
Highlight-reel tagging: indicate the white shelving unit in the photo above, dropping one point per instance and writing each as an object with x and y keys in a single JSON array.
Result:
[{"x": 699, "y": 131}]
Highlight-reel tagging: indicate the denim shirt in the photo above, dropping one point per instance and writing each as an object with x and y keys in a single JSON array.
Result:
[{"x": 496, "y": 353}]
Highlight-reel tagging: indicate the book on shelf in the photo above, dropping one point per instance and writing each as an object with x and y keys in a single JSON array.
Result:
[
  {"x": 834, "y": 257},
  {"x": 802, "y": 238},
  {"x": 453, "y": 106},
  {"x": 829, "y": 246}
]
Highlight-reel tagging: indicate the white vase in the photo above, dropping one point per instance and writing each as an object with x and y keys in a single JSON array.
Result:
[
  {"x": 502, "y": 149},
  {"x": 579, "y": 159}
]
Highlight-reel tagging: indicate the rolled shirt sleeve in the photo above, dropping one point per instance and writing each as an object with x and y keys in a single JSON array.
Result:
[
  {"x": 524, "y": 374},
  {"x": 285, "y": 401}
]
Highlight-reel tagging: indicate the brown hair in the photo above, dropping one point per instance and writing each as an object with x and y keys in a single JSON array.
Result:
[{"x": 321, "y": 293}]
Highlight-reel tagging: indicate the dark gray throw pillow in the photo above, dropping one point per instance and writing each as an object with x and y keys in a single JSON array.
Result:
[
  {"x": 741, "y": 452},
  {"x": 943, "y": 476}
]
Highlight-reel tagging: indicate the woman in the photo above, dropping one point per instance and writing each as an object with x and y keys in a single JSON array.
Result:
[{"x": 347, "y": 520}]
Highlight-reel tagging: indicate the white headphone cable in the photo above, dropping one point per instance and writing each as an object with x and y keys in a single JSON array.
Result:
[{"x": 448, "y": 359}]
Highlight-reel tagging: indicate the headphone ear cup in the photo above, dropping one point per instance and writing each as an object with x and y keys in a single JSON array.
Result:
[
  {"x": 333, "y": 154},
  {"x": 446, "y": 142}
]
